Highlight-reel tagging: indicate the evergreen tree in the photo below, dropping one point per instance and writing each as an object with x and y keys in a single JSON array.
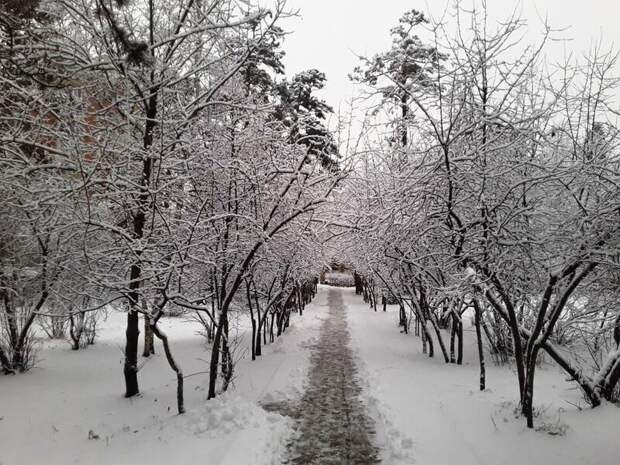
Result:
[
  {"x": 304, "y": 114},
  {"x": 406, "y": 69}
]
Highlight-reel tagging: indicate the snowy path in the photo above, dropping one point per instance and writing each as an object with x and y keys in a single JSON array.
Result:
[{"x": 332, "y": 427}]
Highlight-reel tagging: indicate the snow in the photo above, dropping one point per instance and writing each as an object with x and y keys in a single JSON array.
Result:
[
  {"x": 434, "y": 414},
  {"x": 46, "y": 414},
  {"x": 425, "y": 412}
]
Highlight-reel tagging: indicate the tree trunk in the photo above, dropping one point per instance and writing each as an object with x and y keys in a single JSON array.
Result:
[
  {"x": 173, "y": 364},
  {"x": 254, "y": 338},
  {"x": 401, "y": 314},
  {"x": 374, "y": 298},
  {"x": 528, "y": 392},
  {"x": 442, "y": 346},
  {"x": 19, "y": 362},
  {"x": 130, "y": 368},
  {"x": 279, "y": 323},
  {"x": 459, "y": 348},
  {"x": 225, "y": 349},
  {"x": 210, "y": 322},
  {"x": 490, "y": 339},
  {"x": 428, "y": 340},
  {"x": 611, "y": 381},
  {"x": 404, "y": 108},
  {"x": 253, "y": 342},
  {"x": 227, "y": 362},
  {"x": 75, "y": 332},
  {"x": 132, "y": 333},
  {"x": 149, "y": 345},
  {"x": 609, "y": 376},
  {"x": 452, "y": 339},
  {"x": 11, "y": 318},
  {"x": 215, "y": 358},
  {"x": 5, "y": 363},
  {"x": 477, "y": 317},
  {"x": 259, "y": 350},
  {"x": 259, "y": 335},
  {"x": 271, "y": 337}
]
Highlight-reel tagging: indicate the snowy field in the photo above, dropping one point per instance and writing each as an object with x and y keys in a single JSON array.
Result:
[
  {"x": 435, "y": 414},
  {"x": 424, "y": 411},
  {"x": 46, "y": 414}
]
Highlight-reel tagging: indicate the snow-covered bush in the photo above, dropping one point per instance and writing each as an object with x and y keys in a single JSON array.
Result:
[{"x": 54, "y": 326}]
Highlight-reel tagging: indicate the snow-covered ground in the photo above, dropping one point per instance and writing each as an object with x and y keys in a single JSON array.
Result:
[
  {"x": 425, "y": 412},
  {"x": 46, "y": 414},
  {"x": 435, "y": 414}
]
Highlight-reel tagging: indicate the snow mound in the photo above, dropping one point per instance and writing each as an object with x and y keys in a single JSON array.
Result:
[
  {"x": 226, "y": 414},
  {"x": 228, "y": 421}
]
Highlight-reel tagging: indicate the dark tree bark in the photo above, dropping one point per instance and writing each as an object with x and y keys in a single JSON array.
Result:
[
  {"x": 5, "y": 364},
  {"x": 261, "y": 336},
  {"x": 132, "y": 333},
  {"x": 130, "y": 368},
  {"x": 427, "y": 340},
  {"x": 173, "y": 364},
  {"x": 402, "y": 315},
  {"x": 225, "y": 349},
  {"x": 215, "y": 360},
  {"x": 477, "y": 318},
  {"x": 149, "y": 343},
  {"x": 452, "y": 339},
  {"x": 253, "y": 342},
  {"x": 76, "y": 331},
  {"x": 20, "y": 339},
  {"x": 611, "y": 381},
  {"x": 459, "y": 332},
  {"x": 271, "y": 335},
  {"x": 442, "y": 346},
  {"x": 258, "y": 351}
]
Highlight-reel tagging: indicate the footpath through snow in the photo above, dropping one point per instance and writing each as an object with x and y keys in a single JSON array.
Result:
[
  {"x": 423, "y": 411},
  {"x": 332, "y": 426}
]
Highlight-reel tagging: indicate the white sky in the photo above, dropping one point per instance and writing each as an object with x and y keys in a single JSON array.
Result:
[{"x": 329, "y": 33}]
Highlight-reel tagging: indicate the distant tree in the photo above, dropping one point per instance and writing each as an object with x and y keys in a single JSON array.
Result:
[
  {"x": 304, "y": 114},
  {"x": 295, "y": 103},
  {"x": 407, "y": 69}
]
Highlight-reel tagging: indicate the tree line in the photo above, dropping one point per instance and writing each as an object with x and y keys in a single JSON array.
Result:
[
  {"x": 155, "y": 160},
  {"x": 493, "y": 192}
]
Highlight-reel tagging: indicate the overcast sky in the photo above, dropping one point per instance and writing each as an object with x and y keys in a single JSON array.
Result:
[{"x": 330, "y": 33}]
